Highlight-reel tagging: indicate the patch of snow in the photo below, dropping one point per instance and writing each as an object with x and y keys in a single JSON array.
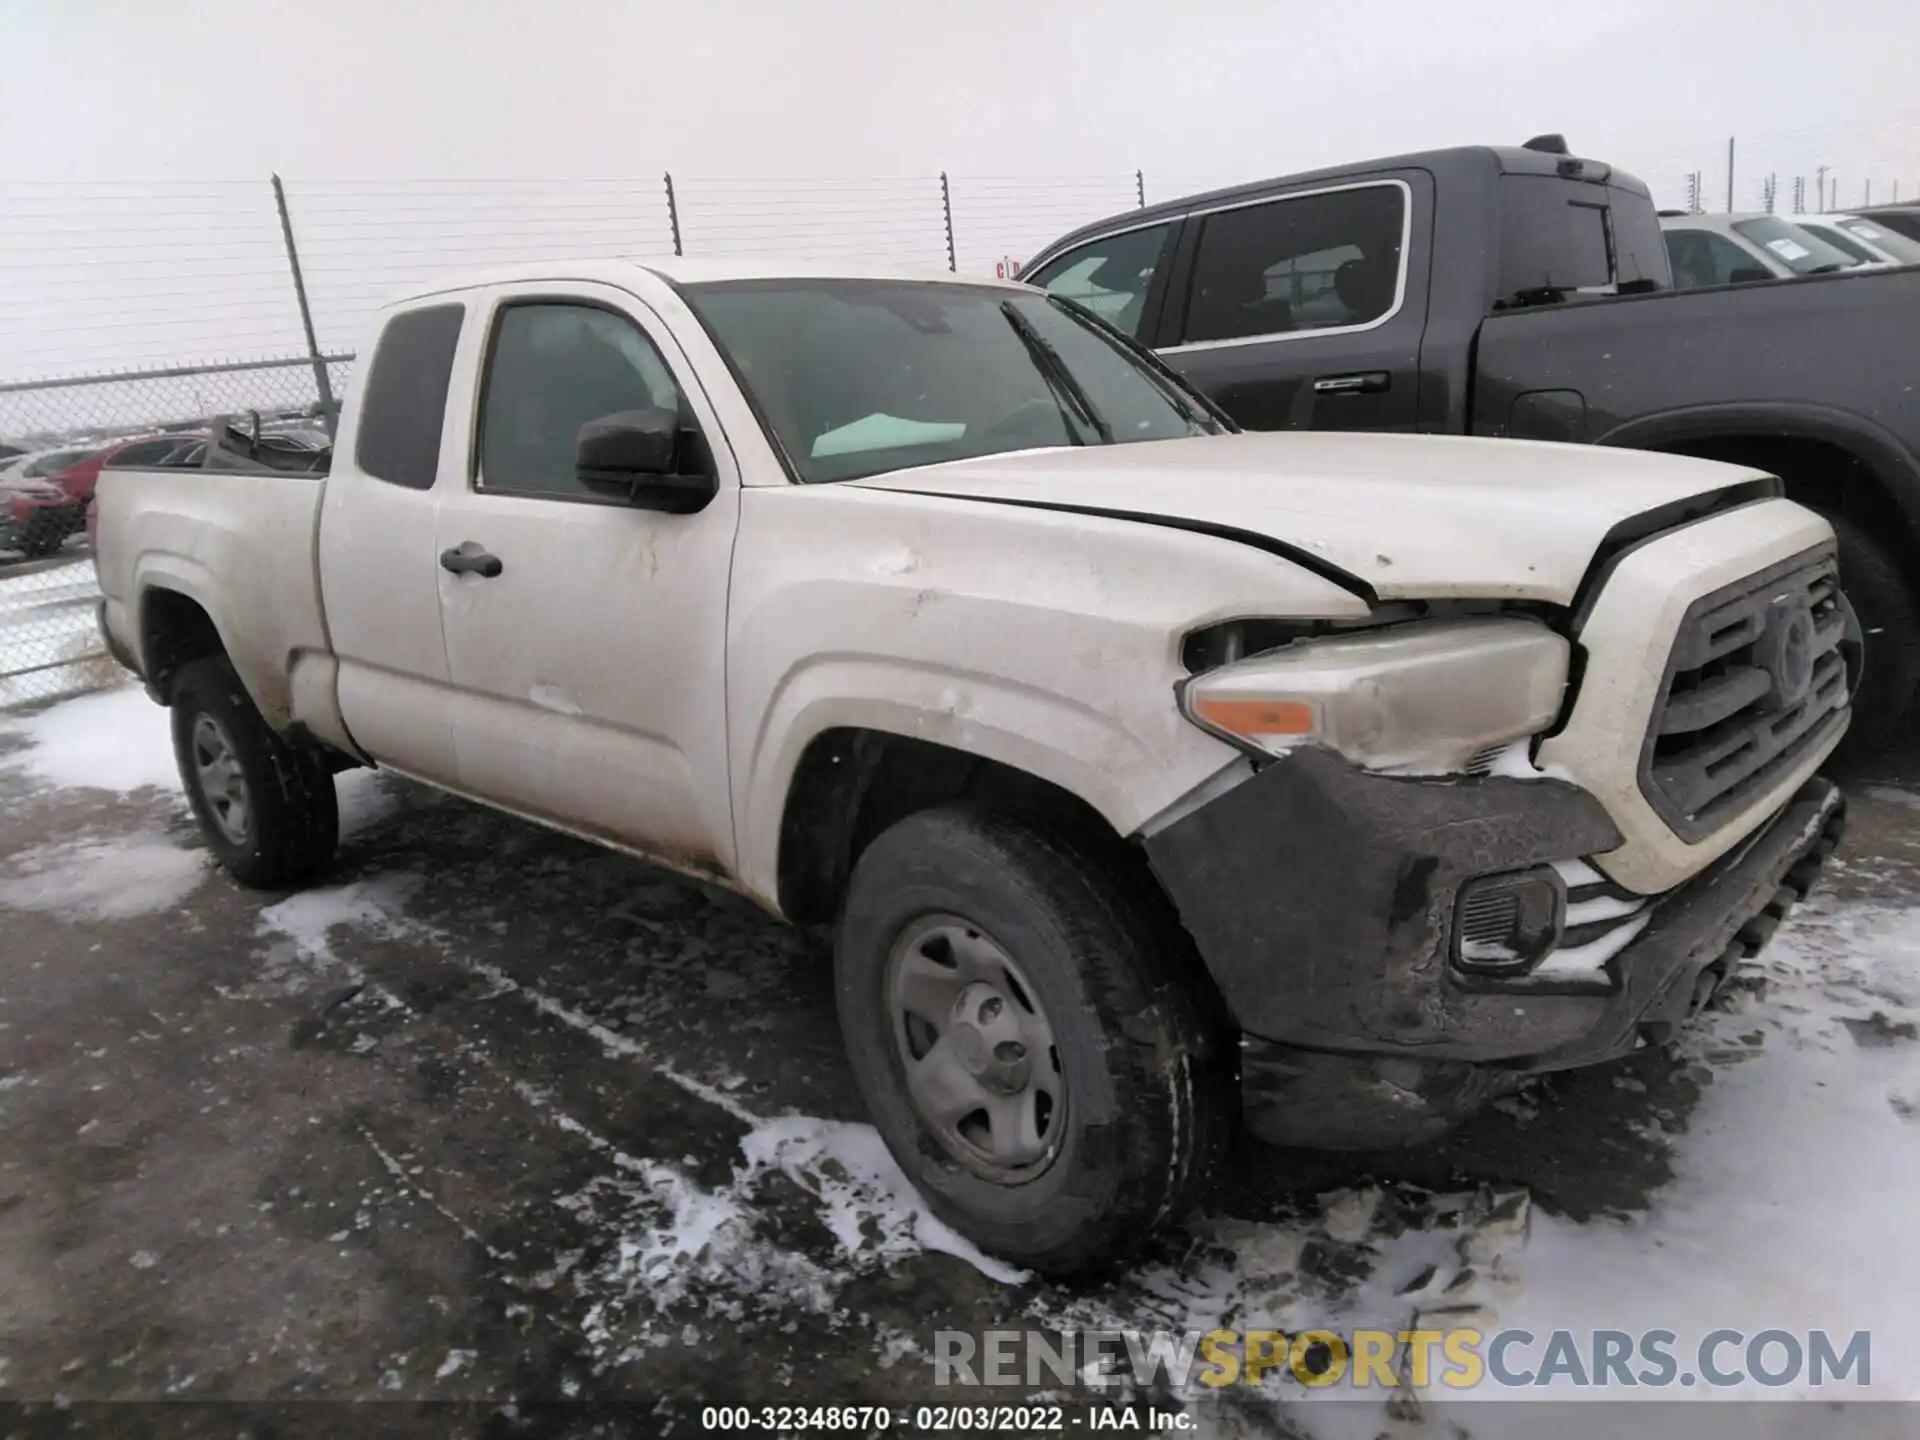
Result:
[
  {"x": 1487, "y": 950},
  {"x": 1592, "y": 957},
  {"x": 1603, "y": 907},
  {"x": 869, "y": 1204},
  {"x": 116, "y": 740},
  {"x": 1794, "y": 1180},
  {"x": 310, "y": 917},
  {"x": 456, "y": 1361},
  {"x": 1577, "y": 872},
  {"x": 116, "y": 879},
  {"x": 1515, "y": 762}
]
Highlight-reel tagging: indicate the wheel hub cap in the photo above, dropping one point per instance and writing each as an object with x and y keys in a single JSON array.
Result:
[
  {"x": 989, "y": 1040},
  {"x": 221, "y": 782},
  {"x": 977, "y": 1049}
]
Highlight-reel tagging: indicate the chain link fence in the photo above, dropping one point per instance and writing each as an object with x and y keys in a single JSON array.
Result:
[
  {"x": 50, "y": 645},
  {"x": 103, "y": 283}
]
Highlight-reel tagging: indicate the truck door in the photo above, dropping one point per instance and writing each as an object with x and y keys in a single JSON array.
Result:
[
  {"x": 1303, "y": 311},
  {"x": 586, "y": 639},
  {"x": 376, "y": 550}
]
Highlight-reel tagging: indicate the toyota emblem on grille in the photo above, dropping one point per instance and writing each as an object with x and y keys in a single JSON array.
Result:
[{"x": 1786, "y": 650}]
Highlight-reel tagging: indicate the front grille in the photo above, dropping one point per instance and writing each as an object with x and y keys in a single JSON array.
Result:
[{"x": 1751, "y": 689}]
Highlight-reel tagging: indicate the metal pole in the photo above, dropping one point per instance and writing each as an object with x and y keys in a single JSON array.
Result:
[
  {"x": 320, "y": 380},
  {"x": 673, "y": 213},
  {"x": 1729, "y": 174},
  {"x": 1869, "y": 196},
  {"x": 946, "y": 214},
  {"x": 1140, "y": 188}
]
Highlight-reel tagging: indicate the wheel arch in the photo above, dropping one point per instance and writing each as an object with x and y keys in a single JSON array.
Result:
[
  {"x": 173, "y": 629},
  {"x": 852, "y": 782},
  {"x": 1831, "y": 459}
]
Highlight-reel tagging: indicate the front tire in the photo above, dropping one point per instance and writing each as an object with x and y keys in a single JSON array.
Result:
[
  {"x": 1890, "y": 632},
  {"x": 1073, "y": 1089},
  {"x": 266, "y": 806}
]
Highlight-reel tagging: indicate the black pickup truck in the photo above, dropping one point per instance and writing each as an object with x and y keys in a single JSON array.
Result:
[{"x": 1526, "y": 292}]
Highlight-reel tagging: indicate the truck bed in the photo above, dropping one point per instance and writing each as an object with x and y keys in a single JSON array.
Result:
[
  {"x": 1841, "y": 345},
  {"x": 254, "y": 530}
]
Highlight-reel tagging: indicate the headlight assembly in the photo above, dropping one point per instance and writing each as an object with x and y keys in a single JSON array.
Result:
[{"x": 1420, "y": 698}]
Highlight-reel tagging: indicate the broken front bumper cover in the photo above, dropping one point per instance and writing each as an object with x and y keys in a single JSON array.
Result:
[{"x": 1322, "y": 898}]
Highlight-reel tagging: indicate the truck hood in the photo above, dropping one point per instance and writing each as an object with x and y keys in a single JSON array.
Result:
[{"x": 1391, "y": 516}]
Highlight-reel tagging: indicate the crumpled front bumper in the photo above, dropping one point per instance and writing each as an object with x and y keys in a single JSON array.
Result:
[{"x": 1322, "y": 898}]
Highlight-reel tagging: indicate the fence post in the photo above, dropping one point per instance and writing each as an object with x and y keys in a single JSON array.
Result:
[
  {"x": 673, "y": 213},
  {"x": 320, "y": 381},
  {"x": 946, "y": 217},
  {"x": 1140, "y": 188}
]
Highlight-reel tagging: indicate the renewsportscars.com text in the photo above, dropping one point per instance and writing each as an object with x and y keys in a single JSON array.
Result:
[{"x": 1457, "y": 1359}]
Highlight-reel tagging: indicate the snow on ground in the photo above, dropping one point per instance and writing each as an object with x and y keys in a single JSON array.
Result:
[
  {"x": 114, "y": 879},
  {"x": 1793, "y": 1199},
  {"x": 119, "y": 740},
  {"x": 114, "y": 740},
  {"x": 697, "y": 1234},
  {"x": 1790, "y": 1207}
]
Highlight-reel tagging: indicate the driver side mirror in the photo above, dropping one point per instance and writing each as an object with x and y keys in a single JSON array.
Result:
[{"x": 647, "y": 458}]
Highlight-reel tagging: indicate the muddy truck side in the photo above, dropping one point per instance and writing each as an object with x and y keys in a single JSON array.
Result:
[
  {"x": 1528, "y": 293},
  {"x": 1149, "y": 774}
]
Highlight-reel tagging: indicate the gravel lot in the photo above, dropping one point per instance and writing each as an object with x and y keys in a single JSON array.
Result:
[{"x": 497, "y": 1115}]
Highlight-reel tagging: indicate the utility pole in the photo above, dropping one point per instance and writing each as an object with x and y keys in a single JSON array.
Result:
[
  {"x": 1769, "y": 190},
  {"x": 1729, "y": 174},
  {"x": 1820, "y": 180},
  {"x": 320, "y": 380},
  {"x": 1799, "y": 194}
]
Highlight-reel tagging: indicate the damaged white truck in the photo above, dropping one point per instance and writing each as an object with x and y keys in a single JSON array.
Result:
[{"x": 1151, "y": 775}]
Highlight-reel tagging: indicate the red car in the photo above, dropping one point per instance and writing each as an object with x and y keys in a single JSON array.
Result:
[{"x": 45, "y": 496}]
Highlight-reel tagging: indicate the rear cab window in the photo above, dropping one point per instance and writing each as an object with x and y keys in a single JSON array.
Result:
[
  {"x": 404, "y": 403},
  {"x": 1562, "y": 238}
]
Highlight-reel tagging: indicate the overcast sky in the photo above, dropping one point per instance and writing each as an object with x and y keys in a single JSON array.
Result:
[
  {"x": 143, "y": 100},
  {"x": 402, "y": 88}
]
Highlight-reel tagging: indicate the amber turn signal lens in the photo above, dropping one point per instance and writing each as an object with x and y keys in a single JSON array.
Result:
[{"x": 1256, "y": 717}]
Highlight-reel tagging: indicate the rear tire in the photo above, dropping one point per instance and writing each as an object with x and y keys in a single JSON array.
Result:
[
  {"x": 266, "y": 806},
  {"x": 1146, "y": 1072},
  {"x": 1883, "y": 600}
]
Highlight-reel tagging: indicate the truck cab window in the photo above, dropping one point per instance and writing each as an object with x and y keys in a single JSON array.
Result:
[
  {"x": 1329, "y": 261},
  {"x": 405, "y": 402},
  {"x": 552, "y": 369},
  {"x": 1111, "y": 276}
]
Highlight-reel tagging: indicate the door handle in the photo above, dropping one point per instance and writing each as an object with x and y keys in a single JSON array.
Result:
[
  {"x": 1367, "y": 382},
  {"x": 470, "y": 559}
]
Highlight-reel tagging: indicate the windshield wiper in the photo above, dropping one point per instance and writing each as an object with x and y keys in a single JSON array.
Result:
[
  {"x": 1067, "y": 394},
  {"x": 1826, "y": 269}
]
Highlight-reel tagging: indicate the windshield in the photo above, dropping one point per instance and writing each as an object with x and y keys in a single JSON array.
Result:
[
  {"x": 1801, "y": 251},
  {"x": 1839, "y": 239},
  {"x": 856, "y": 377},
  {"x": 1899, "y": 247}
]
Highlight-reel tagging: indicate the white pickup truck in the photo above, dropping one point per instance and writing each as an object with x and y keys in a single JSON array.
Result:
[{"x": 1151, "y": 774}]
